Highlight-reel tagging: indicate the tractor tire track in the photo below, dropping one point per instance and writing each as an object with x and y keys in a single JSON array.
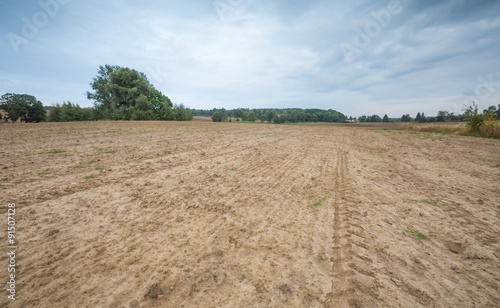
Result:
[{"x": 354, "y": 282}]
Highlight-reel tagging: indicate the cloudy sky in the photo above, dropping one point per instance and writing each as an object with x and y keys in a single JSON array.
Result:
[{"x": 358, "y": 57}]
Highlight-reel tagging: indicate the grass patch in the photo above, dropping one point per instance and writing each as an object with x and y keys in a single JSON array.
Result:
[
  {"x": 108, "y": 150},
  {"x": 55, "y": 151},
  {"x": 435, "y": 202},
  {"x": 167, "y": 151},
  {"x": 100, "y": 168},
  {"x": 417, "y": 234},
  {"x": 89, "y": 177},
  {"x": 111, "y": 151},
  {"x": 91, "y": 161},
  {"x": 88, "y": 162},
  {"x": 447, "y": 128},
  {"x": 47, "y": 173},
  {"x": 490, "y": 129},
  {"x": 319, "y": 202}
]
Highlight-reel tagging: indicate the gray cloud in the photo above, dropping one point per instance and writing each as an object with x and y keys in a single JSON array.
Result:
[{"x": 253, "y": 53}]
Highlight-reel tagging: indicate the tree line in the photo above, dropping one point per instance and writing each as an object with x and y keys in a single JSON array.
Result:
[
  {"x": 278, "y": 116},
  {"x": 442, "y": 116},
  {"x": 294, "y": 115}
]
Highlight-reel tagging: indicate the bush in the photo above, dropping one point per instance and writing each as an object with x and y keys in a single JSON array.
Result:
[
  {"x": 484, "y": 125},
  {"x": 475, "y": 122},
  {"x": 490, "y": 127}
]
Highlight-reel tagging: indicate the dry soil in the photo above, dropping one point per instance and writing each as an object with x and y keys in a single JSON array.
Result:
[{"x": 201, "y": 214}]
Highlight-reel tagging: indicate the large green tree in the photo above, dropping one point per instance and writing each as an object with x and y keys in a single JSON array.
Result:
[
  {"x": 22, "y": 106},
  {"x": 36, "y": 112},
  {"x": 220, "y": 115},
  {"x": 121, "y": 93},
  {"x": 423, "y": 118},
  {"x": 405, "y": 118}
]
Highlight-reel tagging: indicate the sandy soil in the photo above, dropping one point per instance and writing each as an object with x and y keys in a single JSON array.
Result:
[{"x": 232, "y": 215}]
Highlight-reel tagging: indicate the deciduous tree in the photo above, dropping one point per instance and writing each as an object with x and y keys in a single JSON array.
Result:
[{"x": 22, "y": 106}]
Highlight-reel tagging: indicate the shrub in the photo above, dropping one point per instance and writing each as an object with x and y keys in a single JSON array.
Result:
[{"x": 490, "y": 127}]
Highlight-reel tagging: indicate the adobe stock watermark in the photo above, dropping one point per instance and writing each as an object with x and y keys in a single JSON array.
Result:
[
  {"x": 372, "y": 29},
  {"x": 155, "y": 73},
  {"x": 229, "y": 10},
  {"x": 484, "y": 89},
  {"x": 31, "y": 26}
]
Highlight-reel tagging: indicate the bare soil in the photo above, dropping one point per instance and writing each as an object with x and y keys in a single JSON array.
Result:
[{"x": 200, "y": 214}]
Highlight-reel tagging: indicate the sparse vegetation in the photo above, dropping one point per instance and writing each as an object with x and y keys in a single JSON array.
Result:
[
  {"x": 435, "y": 202},
  {"x": 416, "y": 234},
  {"x": 110, "y": 151},
  {"x": 55, "y": 151},
  {"x": 47, "y": 173},
  {"x": 89, "y": 177},
  {"x": 319, "y": 202},
  {"x": 106, "y": 150},
  {"x": 88, "y": 162},
  {"x": 93, "y": 160}
]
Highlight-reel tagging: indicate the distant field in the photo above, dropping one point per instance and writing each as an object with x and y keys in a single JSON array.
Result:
[{"x": 202, "y": 214}]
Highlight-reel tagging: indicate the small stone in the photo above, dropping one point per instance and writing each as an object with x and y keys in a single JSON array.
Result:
[
  {"x": 154, "y": 291},
  {"x": 285, "y": 289},
  {"x": 53, "y": 232}
]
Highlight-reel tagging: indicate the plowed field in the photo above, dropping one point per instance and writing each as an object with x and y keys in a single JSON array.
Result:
[{"x": 233, "y": 215}]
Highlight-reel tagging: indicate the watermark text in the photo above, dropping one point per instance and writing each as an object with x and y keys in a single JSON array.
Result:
[{"x": 11, "y": 251}]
